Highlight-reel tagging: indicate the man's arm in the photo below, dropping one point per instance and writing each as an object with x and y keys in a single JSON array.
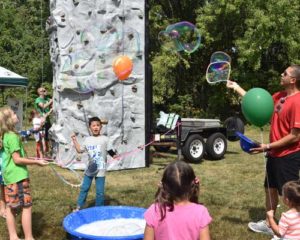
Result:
[
  {"x": 48, "y": 113},
  {"x": 237, "y": 88},
  {"x": 45, "y": 105},
  {"x": 292, "y": 137}
]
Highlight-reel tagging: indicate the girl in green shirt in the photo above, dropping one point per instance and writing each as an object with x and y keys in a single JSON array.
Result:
[
  {"x": 2, "y": 202},
  {"x": 15, "y": 175}
]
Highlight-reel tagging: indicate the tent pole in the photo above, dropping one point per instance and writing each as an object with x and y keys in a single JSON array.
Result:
[{"x": 2, "y": 88}]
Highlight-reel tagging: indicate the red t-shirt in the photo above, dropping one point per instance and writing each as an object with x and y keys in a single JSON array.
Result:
[{"x": 286, "y": 116}]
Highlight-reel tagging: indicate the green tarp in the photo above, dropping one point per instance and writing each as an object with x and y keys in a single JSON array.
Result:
[{"x": 11, "y": 79}]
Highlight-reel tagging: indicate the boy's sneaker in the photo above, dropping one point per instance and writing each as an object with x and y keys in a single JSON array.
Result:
[{"x": 260, "y": 227}]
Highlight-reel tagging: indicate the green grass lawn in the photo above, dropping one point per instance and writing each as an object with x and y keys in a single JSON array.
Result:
[{"x": 231, "y": 188}]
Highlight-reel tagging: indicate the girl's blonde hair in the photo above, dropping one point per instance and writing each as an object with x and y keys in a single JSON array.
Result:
[{"x": 7, "y": 123}]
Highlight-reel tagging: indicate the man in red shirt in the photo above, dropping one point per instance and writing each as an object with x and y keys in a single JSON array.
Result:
[{"x": 283, "y": 151}]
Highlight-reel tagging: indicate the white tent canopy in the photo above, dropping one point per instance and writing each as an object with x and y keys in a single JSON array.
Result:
[{"x": 11, "y": 79}]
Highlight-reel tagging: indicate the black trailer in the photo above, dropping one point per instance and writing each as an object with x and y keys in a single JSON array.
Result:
[{"x": 195, "y": 138}]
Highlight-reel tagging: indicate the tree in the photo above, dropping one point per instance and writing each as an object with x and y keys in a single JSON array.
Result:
[
  {"x": 175, "y": 76},
  {"x": 262, "y": 38},
  {"x": 24, "y": 46}
]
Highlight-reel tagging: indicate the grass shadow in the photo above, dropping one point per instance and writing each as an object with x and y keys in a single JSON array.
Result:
[
  {"x": 38, "y": 224},
  {"x": 173, "y": 151},
  {"x": 232, "y": 152},
  {"x": 209, "y": 158},
  {"x": 236, "y": 220},
  {"x": 159, "y": 155},
  {"x": 257, "y": 214},
  {"x": 162, "y": 165},
  {"x": 107, "y": 202}
]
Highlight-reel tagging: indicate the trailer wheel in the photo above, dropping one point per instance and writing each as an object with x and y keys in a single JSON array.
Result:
[
  {"x": 194, "y": 148},
  {"x": 232, "y": 125},
  {"x": 162, "y": 148},
  {"x": 216, "y": 146}
]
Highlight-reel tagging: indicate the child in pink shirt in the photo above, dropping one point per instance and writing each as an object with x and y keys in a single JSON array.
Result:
[
  {"x": 176, "y": 213},
  {"x": 289, "y": 223}
]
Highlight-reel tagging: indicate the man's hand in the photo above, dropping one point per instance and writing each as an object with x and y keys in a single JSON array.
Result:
[
  {"x": 231, "y": 84},
  {"x": 260, "y": 148}
]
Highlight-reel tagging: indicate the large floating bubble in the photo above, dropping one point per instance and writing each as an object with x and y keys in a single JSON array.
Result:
[
  {"x": 220, "y": 57},
  {"x": 76, "y": 72},
  {"x": 218, "y": 72},
  {"x": 129, "y": 43},
  {"x": 181, "y": 36}
]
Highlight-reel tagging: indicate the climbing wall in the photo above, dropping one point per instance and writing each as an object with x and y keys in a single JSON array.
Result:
[{"x": 86, "y": 36}]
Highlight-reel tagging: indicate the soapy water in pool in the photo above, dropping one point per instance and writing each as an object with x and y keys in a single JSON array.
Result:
[{"x": 114, "y": 227}]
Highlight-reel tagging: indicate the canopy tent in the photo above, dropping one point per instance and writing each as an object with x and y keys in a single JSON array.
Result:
[{"x": 11, "y": 79}]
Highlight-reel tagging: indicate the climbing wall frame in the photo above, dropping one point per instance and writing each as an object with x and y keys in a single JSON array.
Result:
[{"x": 85, "y": 38}]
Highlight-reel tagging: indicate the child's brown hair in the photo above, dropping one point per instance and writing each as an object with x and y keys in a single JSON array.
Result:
[
  {"x": 178, "y": 183},
  {"x": 291, "y": 191},
  {"x": 32, "y": 114}
]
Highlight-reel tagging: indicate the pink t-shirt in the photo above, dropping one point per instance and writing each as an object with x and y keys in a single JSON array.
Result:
[
  {"x": 289, "y": 225},
  {"x": 183, "y": 223}
]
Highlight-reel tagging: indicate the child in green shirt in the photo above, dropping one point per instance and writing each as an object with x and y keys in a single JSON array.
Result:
[
  {"x": 15, "y": 175},
  {"x": 2, "y": 202}
]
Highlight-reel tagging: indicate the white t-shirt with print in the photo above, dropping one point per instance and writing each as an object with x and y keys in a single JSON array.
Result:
[{"x": 96, "y": 147}]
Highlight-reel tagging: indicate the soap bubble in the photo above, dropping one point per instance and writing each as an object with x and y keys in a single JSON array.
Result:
[
  {"x": 129, "y": 43},
  {"x": 100, "y": 38},
  {"x": 76, "y": 71},
  {"x": 220, "y": 57},
  {"x": 181, "y": 36},
  {"x": 218, "y": 72}
]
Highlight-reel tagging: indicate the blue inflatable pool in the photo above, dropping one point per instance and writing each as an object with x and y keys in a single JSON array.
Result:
[{"x": 74, "y": 220}]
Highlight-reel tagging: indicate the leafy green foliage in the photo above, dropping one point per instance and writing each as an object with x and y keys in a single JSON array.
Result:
[
  {"x": 262, "y": 37},
  {"x": 24, "y": 46}
]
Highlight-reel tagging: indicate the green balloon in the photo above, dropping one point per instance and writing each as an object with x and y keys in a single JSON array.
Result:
[{"x": 258, "y": 106}]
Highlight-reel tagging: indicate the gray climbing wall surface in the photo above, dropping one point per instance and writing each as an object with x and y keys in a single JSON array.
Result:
[{"x": 86, "y": 36}]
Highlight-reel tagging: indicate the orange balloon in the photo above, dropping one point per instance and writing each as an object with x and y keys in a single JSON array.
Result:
[{"x": 122, "y": 67}]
